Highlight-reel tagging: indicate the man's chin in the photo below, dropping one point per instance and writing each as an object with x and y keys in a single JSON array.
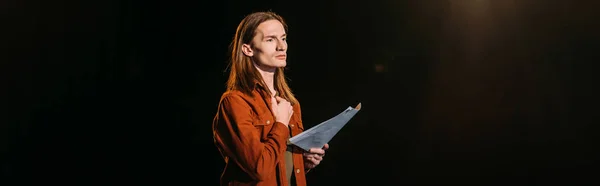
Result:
[{"x": 281, "y": 64}]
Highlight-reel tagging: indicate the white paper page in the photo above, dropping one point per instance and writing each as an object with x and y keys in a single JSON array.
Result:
[{"x": 319, "y": 135}]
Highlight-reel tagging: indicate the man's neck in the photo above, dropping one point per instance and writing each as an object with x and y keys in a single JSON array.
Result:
[{"x": 267, "y": 76}]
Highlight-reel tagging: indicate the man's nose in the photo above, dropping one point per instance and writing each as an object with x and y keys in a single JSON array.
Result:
[{"x": 281, "y": 46}]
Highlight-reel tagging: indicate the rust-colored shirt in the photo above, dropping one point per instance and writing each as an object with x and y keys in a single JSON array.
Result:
[{"x": 252, "y": 143}]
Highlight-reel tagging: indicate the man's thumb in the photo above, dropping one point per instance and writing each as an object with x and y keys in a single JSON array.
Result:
[{"x": 273, "y": 101}]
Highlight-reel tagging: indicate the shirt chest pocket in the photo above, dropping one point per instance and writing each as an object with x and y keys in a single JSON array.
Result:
[{"x": 263, "y": 124}]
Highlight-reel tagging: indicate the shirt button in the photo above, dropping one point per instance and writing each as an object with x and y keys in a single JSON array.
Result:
[
  {"x": 268, "y": 121},
  {"x": 297, "y": 170}
]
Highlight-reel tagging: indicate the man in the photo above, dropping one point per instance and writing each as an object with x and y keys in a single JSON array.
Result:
[{"x": 258, "y": 113}]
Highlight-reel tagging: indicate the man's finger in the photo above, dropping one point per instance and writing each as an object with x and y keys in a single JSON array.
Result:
[
  {"x": 274, "y": 100},
  {"x": 279, "y": 99},
  {"x": 318, "y": 158},
  {"x": 315, "y": 156},
  {"x": 317, "y": 151},
  {"x": 313, "y": 160}
]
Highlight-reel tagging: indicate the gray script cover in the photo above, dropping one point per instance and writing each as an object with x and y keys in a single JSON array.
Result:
[{"x": 319, "y": 135}]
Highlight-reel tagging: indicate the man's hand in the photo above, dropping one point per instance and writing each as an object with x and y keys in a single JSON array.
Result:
[
  {"x": 314, "y": 156},
  {"x": 282, "y": 109}
]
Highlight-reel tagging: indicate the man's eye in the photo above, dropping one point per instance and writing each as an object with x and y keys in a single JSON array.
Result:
[
  {"x": 269, "y": 40},
  {"x": 285, "y": 38}
]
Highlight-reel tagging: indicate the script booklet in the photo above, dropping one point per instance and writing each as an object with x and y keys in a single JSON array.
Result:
[{"x": 319, "y": 135}]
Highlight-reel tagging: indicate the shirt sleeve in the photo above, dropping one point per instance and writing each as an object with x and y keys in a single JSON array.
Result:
[{"x": 241, "y": 142}]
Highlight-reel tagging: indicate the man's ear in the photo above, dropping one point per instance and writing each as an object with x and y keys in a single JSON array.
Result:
[{"x": 247, "y": 50}]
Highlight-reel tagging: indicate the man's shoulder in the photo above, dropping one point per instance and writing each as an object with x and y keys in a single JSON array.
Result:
[
  {"x": 233, "y": 94},
  {"x": 297, "y": 104},
  {"x": 236, "y": 95}
]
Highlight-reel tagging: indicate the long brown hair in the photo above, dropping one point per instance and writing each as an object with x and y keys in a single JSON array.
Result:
[{"x": 242, "y": 73}]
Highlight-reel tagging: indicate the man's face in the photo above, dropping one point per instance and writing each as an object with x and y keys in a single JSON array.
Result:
[{"x": 269, "y": 45}]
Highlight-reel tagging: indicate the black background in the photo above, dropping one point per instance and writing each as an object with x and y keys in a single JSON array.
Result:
[{"x": 453, "y": 92}]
